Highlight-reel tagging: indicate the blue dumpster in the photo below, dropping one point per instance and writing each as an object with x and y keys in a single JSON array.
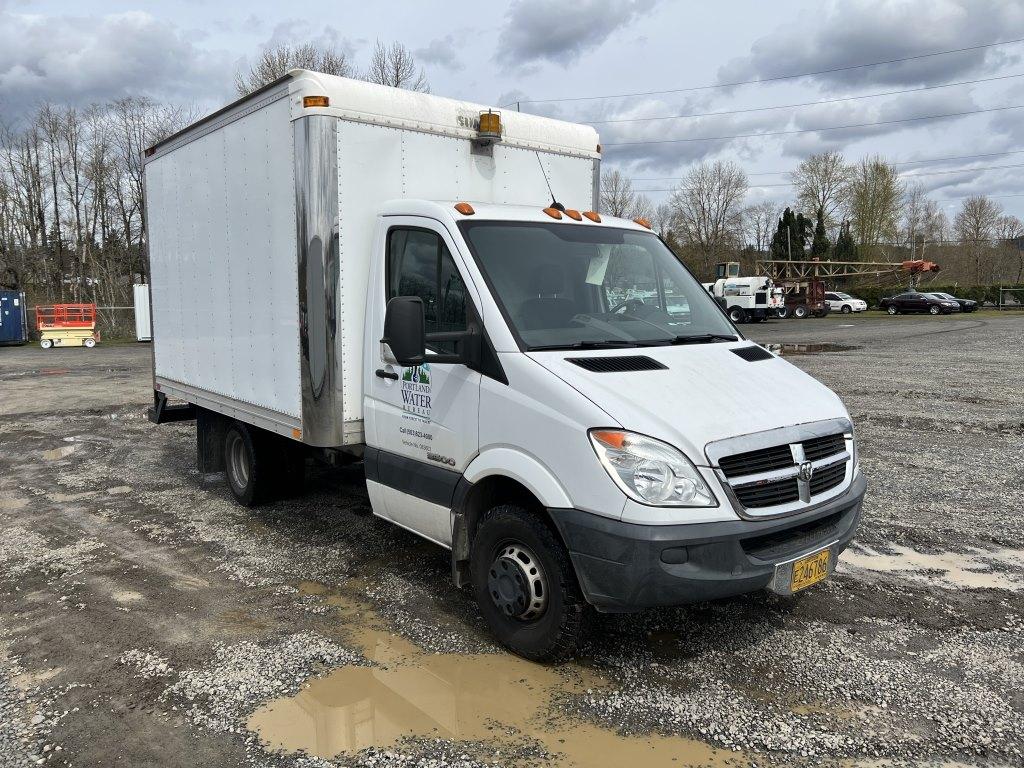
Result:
[{"x": 13, "y": 318}]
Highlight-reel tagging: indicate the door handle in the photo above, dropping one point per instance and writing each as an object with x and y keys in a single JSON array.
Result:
[{"x": 380, "y": 373}]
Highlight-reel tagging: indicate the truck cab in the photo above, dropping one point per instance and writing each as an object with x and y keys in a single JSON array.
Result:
[{"x": 543, "y": 390}]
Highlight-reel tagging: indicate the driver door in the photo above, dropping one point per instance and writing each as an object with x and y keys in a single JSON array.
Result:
[{"x": 425, "y": 418}]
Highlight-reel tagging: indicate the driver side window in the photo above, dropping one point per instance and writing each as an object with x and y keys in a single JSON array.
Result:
[{"x": 419, "y": 264}]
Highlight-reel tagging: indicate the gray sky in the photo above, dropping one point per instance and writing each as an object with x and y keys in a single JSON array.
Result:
[{"x": 498, "y": 53}]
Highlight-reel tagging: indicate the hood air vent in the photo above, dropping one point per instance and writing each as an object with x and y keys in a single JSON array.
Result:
[
  {"x": 618, "y": 364},
  {"x": 753, "y": 353}
]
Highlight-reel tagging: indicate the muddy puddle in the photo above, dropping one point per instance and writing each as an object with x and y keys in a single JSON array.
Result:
[
  {"x": 976, "y": 569},
  {"x": 498, "y": 697},
  {"x": 793, "y": 349},
  {"x": 61, "y": 453}
]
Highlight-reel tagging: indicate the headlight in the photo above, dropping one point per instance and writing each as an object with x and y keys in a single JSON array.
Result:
[{"x": 650, "y": 471}]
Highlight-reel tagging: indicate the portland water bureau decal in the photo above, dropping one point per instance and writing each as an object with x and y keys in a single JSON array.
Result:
[{"x": 416, "y": 390}]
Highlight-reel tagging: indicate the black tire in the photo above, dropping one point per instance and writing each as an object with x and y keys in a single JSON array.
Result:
[
  {"x": 737, "y": 315},
  {"x": 800, "y": 312},
  {"x": 248, "y": 465},
  {"x": 934, "y": 309},
  {"x": 847, "y": 309},
  {"x": 552, "y": 635},
  {"x": 782, "y": 312},
  {"x": 892, "y": 310}
]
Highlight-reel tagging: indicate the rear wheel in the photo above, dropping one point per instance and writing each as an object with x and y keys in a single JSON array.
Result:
[
  {"x": 892, "y": 310},
  {"x": 525, "y": 585},
  {"x": 246, "y": 465},
  {"x": 800, "y": 312},
  {"x": 90, "y": 343},
  {"x": 46, "y": 343},
  {"x": 737, "y": 315},
  {"x": 782, "y": 312}
]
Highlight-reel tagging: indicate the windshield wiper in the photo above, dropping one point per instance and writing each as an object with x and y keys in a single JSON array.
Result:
[
  {"x": 702, "y": 338},
  {"x": 583, "y": 345}
]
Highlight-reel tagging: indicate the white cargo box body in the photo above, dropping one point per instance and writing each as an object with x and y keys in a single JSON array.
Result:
[{"x": 261, "y": 221}]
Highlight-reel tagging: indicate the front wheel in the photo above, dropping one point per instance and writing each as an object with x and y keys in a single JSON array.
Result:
[
  {"x": 847, "y": 309},
  {"x": 892, "y": 310},
  {"x": 46, "y": 343},
  {"x": 782, "y": 312},
  {"x": 933, "y": 310},
  {"x": 525, "y": 585},
  {"x": 737, "y": 315},
  {"x": 90, "y": 343}
]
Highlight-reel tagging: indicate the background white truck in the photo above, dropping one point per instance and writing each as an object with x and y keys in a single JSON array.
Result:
[{"x": 341, "y": 270}]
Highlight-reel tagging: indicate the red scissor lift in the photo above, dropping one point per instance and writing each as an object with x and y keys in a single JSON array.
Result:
[{"x": 67, "y": 325}]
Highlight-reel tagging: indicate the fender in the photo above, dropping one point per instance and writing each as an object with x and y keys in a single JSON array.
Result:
[{"x": 523, "y": 468}]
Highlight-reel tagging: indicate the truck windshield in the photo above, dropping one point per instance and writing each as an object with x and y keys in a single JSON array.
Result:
[{"x": 563, "y": 286}]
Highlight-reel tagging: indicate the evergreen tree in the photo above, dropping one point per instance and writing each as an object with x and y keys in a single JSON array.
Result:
[
  {"x": 819, "y": 247},
  {"x": 789, "y": 243},
  {"x": 845, "y": 248}
]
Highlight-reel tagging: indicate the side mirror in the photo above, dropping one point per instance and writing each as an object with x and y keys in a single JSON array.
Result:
[{"x": 403, "y": 330}]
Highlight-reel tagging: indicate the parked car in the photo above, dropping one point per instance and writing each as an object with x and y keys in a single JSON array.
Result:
[
  {"x": 916, "y": 301},
  {"x": 844, "y": 302},
  {"x": 966, "y": 305}
]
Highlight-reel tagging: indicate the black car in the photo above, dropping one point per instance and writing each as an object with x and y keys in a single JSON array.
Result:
[
  {"x": 966, "y": 305},
  {"x": 918, "y": 302}
]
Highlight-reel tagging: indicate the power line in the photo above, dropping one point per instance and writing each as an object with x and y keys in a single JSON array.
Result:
[
  {"x": 770, "y": 79},
  {"x": 802, "y": 104},
  {"x": 902, "y": 162},
  {"x": 815, "y": 130}
]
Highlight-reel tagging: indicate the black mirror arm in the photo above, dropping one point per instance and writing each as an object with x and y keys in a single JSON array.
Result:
[{"x": 470, "y": 346}]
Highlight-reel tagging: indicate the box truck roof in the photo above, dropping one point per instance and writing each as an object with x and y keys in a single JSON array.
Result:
[
  {"x": 360, "y": 101},
  {"x": 445, "y": 210}
]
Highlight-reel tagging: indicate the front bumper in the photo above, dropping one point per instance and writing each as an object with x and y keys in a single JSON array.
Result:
[{"x": 626, "y": 567}]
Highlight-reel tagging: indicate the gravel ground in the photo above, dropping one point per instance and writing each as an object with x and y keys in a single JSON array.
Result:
[{"x": 144, "y": 616}]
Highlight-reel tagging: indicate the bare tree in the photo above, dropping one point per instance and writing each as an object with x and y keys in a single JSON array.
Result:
[
  {"x": 1009, "y": 231},
  {"x": 617, "y": 195},
  {"x": 975, "y": 227},
  {"x": 395, "y": 66},
  {"x": 661, "y": 219},
  {"x": 874, "y": 203},
  {"x": 821, "y": 181},
  {"x": 274, "y": 63},
  {"x": 707, "y": 209},
  {"x": 762, "y": 221}
]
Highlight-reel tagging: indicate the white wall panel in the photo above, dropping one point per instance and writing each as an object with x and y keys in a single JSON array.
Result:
[{"x": 222, "y": 243}]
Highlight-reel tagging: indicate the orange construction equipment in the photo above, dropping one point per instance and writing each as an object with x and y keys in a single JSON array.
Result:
[{"x": 67, "y": 325}]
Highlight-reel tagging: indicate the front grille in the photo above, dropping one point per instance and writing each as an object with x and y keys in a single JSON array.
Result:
[
  {"x": 770, "y": 477},
  {"x": 827, "y": 478},
  {"x": 788, "y": 541},
  {"x": 753, "y": 462},
  {"x": 822, "y": 447},
  {"x": 769, "y": 494}
]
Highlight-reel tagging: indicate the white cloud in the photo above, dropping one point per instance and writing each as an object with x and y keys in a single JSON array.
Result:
[
  {"x": 440, "y": 52},
  {"x": 76, "y": 60}
]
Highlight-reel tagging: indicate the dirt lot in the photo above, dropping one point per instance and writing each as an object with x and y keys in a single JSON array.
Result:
[{"x": 145, "y": 619}]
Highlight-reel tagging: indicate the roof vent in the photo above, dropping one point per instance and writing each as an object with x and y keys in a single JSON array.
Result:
[
  {"x": 617, "y": 364},
  {"x": 753, "y": 353}
]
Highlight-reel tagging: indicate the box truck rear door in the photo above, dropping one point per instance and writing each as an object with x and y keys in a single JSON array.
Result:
[{"x": 425, "y": 418}]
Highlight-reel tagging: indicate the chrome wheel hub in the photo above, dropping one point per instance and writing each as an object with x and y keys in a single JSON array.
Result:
[{"x": 516, "y": 583}]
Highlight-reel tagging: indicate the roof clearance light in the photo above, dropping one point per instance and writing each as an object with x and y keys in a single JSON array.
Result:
[
  {"x": 465, "y": 209},
  {"x": 490, "y": 126},
  {"x": 554, "y": 213},
  {"x": 315, "y": 101},
  {"x": 594, "y": 216},
  {"x": 574, "y": 215},
  {"x": 642, "y": 222}
]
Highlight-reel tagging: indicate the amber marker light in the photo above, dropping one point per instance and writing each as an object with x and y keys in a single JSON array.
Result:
[
  {"x": 594, "y": 216},
  {"x": 554, "y": 213},
  {"x": 465, "y": 209},
  {"x": 612, "y": 439},
  {"x": 315, "y": 101},
  {"x": 642, "y": 222},
  {"x": 574, "y": 215}
]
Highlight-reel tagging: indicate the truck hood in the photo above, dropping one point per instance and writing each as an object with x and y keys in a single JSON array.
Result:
[{"x": 705, "y": 393}]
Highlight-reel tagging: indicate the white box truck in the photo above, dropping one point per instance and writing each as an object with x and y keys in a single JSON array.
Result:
[
  {"x": 143, "y": 326},
  {"x": 341, "y": 271}
]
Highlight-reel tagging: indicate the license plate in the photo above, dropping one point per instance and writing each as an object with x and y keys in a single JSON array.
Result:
[{"x": 810, "y": 570}]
